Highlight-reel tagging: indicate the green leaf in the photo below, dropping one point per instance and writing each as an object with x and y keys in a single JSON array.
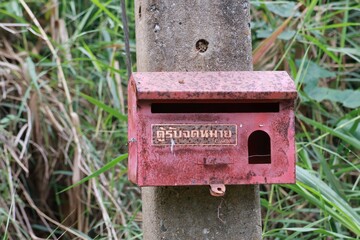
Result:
[
  {"x": 320, "y": 194},
  {"x": 349, "y": 98},
  {"x": 320, "y": 94},
  {"x": 353, "y": 129},
  {"x": 319, "y": 230},
  {"x": 285, "y": 35},
  {"x": 106, "y": 108},
  {"x": 352, "y": 100},
  {"x": 283, "y": 9},
  {"x": 108, "y": 166},
  {"x": 15, "y": 8},
  {"x": 107, "y": 12},
  {"x": 330, "y": 26},
  {"x": 351, "y": 52},
  {"x": 32, "y": 72},
  {"x": 87, "y": 51},
  {"x": 347, "y": 138},
  {"x": 322, "y": 46},
  {"x": 313, "y": 73}
]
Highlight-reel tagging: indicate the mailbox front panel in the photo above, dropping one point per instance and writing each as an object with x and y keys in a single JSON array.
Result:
[{"x": 215, "y": 148}]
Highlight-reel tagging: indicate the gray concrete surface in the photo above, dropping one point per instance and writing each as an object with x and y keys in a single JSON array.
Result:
[{"x": 196, "y": 35}]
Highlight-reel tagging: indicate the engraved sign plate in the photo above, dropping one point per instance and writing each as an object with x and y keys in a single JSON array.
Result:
[{"x": 194, "y": 134}]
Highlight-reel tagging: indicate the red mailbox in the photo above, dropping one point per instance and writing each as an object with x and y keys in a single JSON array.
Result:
[{"x": 209, "y": 128}]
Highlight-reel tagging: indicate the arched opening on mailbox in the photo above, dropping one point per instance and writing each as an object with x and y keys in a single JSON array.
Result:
[{"x": 259, "y": 149}]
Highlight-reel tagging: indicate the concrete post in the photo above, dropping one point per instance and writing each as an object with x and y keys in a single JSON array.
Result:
[{"x": 196, "y": 35}]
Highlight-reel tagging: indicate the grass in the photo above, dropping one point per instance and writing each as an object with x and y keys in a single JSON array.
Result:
[{"x": 63, "y": 119}]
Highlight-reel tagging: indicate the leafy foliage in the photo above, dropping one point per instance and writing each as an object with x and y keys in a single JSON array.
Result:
[
  {"x": 324, "y": 202},
  {"x": 63, "y": 119}
]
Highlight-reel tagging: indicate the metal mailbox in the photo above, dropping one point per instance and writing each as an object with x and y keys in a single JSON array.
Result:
[{"x": 211, "y": 128}]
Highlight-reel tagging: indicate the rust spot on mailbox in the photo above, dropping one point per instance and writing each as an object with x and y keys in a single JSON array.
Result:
[{"x": 211, "y": 128}]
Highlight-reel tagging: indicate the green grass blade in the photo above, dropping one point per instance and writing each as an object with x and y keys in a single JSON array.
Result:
[
  {"x": 319, "y": 230},
  {"x": 330, "y": 26},
  {"x": 349, "y": 139},
  {"x": 320, "y": 194},
  {"x": 105, "y": 168},
  {"x": 107, "y": 12},
  {"x": 106, "y": 108},
  {"x": 323, "y": 47}
]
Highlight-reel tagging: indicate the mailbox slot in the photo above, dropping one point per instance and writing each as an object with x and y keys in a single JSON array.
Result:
[{"x": 214, "y": 107}]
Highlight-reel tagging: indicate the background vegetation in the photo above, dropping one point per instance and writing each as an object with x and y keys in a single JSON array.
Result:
[{"x": 63, "y": 116}]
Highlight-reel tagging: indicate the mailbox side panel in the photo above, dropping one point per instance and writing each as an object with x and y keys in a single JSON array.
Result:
[
  {"x": 132, "y": 132},
  {"x": 291, "y": 174}
]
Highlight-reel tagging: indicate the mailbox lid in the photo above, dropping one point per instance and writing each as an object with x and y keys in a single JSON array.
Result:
[{"x": 246, "y": 85}]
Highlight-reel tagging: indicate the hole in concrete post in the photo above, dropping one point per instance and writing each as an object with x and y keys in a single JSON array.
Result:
[
  {"x": 202, "y": 45},
  {"x": 140, "y": 12},
  {"x": 153, "y": 8},
  {"x": 156, "y": 27},
  {"x": 259, "y": 148}
]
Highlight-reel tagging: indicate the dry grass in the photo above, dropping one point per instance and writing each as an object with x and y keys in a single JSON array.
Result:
[{"x": 43, "y": 146}]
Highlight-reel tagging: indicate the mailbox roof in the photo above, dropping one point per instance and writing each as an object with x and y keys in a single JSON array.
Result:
[{"x": 214, "y": 85}]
